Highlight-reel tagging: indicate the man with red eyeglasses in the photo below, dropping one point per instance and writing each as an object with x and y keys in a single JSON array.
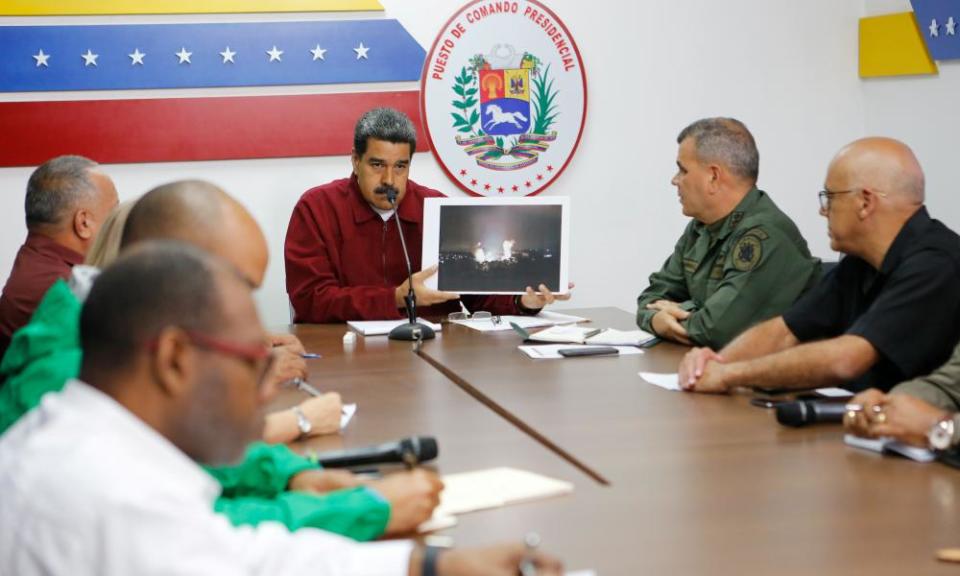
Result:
[
  {"x": 272, "y": 483},
  {"x": 173, "y": 374}
]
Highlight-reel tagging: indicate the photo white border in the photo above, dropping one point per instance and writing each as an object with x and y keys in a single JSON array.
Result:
[{"x": 431, "y": 231}]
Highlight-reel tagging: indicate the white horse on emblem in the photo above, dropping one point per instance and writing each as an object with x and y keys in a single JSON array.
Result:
[{"x": 498, "y": 117}]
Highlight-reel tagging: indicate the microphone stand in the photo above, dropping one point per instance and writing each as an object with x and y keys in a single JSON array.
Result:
[{"x": 412, "y": 331}]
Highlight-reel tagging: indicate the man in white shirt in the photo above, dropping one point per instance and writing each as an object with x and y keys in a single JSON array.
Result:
[{"x": 101, "y": 479}]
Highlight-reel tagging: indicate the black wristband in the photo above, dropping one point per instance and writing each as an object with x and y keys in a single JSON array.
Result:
[
  {"x": 430, "y": 556},
  {"x": 517, "y": 301}
]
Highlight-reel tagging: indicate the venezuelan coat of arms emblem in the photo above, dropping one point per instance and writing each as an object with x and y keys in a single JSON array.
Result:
[{"x": 503, "y": 98}]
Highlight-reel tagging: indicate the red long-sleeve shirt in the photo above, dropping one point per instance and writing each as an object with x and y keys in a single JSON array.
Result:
[{"x": 344, "y": 262}]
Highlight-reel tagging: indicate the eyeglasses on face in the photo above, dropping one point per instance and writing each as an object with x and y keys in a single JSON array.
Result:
[{"x": 259, "y": 355}]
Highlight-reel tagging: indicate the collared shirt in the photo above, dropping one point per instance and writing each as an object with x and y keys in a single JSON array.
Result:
[
  {"x": 909, "y": 309},
  {"x": 733, "y": 273},
  {"x": 89, "y": 489},
  {"x": 344, "y": 262},
  {"x": 39, "y": 262}
]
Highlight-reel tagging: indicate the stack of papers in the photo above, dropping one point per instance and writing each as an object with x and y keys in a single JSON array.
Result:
[
  {"x": 544, "y": 318},
  {"x": 595, "y": 336},
  {"x": 383, "y": 327}
]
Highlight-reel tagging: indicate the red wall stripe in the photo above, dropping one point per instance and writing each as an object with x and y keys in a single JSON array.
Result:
[{"x": 189, "y": 129}]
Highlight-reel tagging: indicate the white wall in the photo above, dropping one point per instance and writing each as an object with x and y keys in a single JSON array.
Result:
[
  {"x": 788, "y": 69},
  {"x": 924, "y": 112}
]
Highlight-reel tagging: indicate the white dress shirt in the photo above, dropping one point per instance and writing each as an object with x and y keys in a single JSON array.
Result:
[{"x": 88, "y": 489}]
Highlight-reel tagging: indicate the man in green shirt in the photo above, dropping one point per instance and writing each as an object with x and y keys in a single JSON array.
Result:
[
  {"x": 740, "y": 260},
  {"x": 272, "y": 483}
]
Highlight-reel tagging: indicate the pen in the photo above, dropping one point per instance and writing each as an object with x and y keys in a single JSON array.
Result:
[
  {"x": 304, "y": 386},
  {"x": 310, "y": 355},
  {"x": 527, "y": 566},
  {"x": 592, "y": 333}
]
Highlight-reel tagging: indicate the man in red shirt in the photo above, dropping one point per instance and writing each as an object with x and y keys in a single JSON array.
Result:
[
  {"x": 68, "y": 198},
  {"x": 342, "y": 252}
]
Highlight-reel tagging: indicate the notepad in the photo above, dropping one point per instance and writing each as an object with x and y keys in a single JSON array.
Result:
[
  {"x": 383, "y": 327},
  {"x": 496, "y": 487},
  {"x": 598, "y": 336}
]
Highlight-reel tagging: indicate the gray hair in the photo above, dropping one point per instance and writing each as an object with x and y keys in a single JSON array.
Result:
[
  {"x": 56, "y": 187},
  {"x": 385, "y": 124},
  {"x": 726, "y": 141}
]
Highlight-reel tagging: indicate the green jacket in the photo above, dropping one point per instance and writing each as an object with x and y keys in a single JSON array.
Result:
[
  {"x": 746, "y": 268},
  {"x": 46, "y": 353},
  {"x": 940, "y": 388}
]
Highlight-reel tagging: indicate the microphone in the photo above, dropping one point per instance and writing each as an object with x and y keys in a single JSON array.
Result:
[
  {"x": 806, "y": 412},
  {"x": 409, "y": 451},
  {"x": 411, "y": 331}
]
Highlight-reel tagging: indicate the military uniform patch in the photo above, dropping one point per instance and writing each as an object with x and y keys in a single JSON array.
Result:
[{"x": 747, "y": 253}]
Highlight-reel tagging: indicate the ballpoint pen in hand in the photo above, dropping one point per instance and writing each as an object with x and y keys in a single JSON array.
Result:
[{"x": 306, "y": 387}]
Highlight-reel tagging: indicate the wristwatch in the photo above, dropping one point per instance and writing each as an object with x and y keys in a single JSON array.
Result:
[
  {"x": 940, "y": 436},
  {"x": 303, "y": 423}
]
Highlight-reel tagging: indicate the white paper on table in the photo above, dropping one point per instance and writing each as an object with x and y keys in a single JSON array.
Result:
[
  {"x": 665, "y": 381},
  {"x": 834, "y": 392},
  {"x": 582, "y": 573},
  {"x": 882, "y": 445},
  {"x": 347, "y": 414},
  {"x": 383, "y": 327},
  {"x": 495, "y": 487},
  {"x": 552, "y": 351},
  {"x": 542, "y": 319}
]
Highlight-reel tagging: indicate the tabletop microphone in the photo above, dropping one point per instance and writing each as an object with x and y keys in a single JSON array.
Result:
[
  {"x": 412, "y": 330},
  {"x": 415, "y": 449},
  {"x": 806, "y": 412}
]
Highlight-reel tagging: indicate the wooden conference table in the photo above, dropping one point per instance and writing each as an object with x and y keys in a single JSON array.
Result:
[{"x": 665, "y": 482}]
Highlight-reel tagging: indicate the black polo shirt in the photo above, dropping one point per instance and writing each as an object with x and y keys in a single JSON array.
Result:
[{"x": 909, "y": 310}]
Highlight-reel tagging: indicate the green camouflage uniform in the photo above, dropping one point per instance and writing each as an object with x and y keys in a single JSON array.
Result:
[{"x": 734, "y": 273}]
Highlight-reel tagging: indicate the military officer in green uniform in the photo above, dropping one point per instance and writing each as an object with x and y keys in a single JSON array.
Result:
[{"x": 740, "y": 260}]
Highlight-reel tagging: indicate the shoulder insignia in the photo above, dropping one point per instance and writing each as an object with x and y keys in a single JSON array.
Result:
[
  {"x": 758, "y": 232},
  {"x": 747, "y": 252}
]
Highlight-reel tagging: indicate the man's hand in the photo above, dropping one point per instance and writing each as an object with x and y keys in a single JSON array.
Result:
[
  {"x": 425, "y": 296},
  {"x": 502, "y": 560},
  {"x": 712, "y": 380},
  {"x": 321, "y": 481},
  {"x": 288, "y": 341},
  {"x": 899, "y": 416},
  {"x": 693, "y": 364},
  {"x": 412, "y": 496},
  {"x": 533, "y": 300},
  {"x": 323, "y": 412},
  {"x": 666, "y": 322}
]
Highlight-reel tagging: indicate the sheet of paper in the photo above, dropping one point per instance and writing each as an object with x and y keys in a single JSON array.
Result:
[
  {"x": 552, "y": 351},
  {"x": 348, "y": 411},
  {"x": 493, "y": 488},
  {"x": 834, "y": 392},
  {"x": 665, "y": 381},
  {"x": 582, "y": 573},
  {"x": 889, "y": 445},
  {"x": 542, "y": 319},
  {"x": 383, "y": 327}
]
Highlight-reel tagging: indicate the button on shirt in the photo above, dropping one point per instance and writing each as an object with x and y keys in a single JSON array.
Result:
[
  {"x": 88, "y": 489},
  {"x": 909, "y": 310}
]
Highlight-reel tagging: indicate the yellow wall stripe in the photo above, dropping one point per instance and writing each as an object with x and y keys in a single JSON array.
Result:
[
  {"x": 891, "y": 45},
  {"x": 88, "y": 7}
]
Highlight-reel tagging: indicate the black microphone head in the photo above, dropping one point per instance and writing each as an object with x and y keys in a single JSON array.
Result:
[
  {"x": 423, "y": 448},
  {"x": 794, "y": 414},
  {"x": 391, "y": 195}
]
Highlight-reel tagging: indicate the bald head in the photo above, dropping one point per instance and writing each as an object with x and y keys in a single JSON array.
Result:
[
  {"x": 882, "y": 165},
  {"x": 205, "y": 216}
]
